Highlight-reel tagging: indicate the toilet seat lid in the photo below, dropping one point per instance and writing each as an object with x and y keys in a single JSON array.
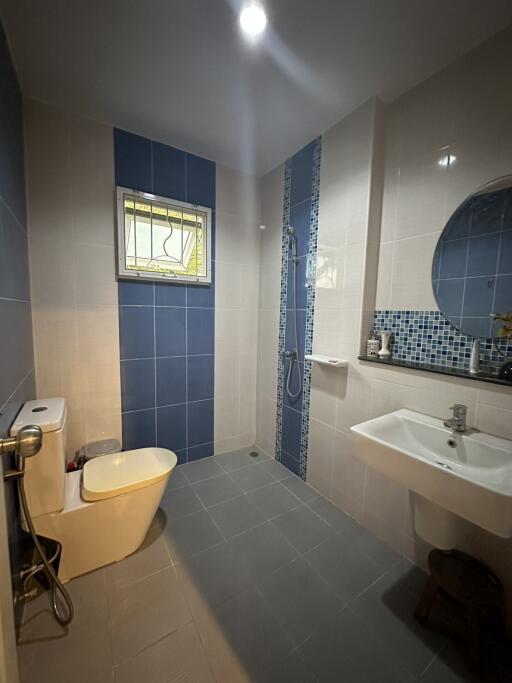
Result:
[{"x": 118, "y": 473}]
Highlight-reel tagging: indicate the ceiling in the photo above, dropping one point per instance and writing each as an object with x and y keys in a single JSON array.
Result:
[{"x": 179, "y": 71}]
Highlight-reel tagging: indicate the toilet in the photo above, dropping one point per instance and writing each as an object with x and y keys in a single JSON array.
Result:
[{"x": 99, "y": 514}]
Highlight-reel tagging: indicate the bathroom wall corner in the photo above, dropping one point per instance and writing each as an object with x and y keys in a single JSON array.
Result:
[{"x": 371, "y": 266}]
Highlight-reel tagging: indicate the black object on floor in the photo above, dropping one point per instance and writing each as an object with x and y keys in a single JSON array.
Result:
[{"x": 473, "y": 586}]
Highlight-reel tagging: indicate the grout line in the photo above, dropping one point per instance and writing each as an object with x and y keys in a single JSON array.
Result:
[
  {"x": 14, "y": 300},
  {"x": 434, "y": 657},
  {"x": 172, "y": 405},
  {"x": 32, "y": 370}
]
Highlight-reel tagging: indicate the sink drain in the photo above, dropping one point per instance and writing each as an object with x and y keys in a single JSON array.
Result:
[{"x": 254, "y": 454}]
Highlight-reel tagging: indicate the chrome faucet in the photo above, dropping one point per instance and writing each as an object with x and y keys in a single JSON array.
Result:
[{"x": 458, "y": 422}]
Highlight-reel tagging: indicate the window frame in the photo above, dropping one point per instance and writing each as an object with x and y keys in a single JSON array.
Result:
[{"x": 128, "y": 274}]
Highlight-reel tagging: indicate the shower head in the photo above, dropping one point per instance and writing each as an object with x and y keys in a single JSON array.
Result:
[{"x": 290, "y": 231}]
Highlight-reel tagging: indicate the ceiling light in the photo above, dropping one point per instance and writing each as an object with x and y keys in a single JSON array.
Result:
[
  {"x": 253, "y": 20},
  {"x": 447, "y": 160}
]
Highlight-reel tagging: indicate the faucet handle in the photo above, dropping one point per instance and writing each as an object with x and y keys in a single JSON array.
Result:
[{"x": 459, "y": 409}]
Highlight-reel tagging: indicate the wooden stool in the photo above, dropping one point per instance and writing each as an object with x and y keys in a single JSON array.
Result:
[{"x": 471, "y": 584}]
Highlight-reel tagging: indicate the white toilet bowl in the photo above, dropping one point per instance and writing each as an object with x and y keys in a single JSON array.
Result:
[{"x": 100, "y": 514}]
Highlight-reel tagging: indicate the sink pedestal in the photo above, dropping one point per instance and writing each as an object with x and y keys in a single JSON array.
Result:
[{"x": 437, "y": 526}]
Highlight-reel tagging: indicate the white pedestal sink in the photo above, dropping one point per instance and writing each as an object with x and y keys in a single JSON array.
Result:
[{"x": 451, "y": 475}]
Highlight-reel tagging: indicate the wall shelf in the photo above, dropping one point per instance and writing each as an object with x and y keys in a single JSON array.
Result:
[
  {"x": 327, "y": 360},
  {"x": 490, "y": 377}
]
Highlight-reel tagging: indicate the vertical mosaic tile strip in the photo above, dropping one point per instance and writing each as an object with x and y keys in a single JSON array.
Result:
[
  {"x": 282, "y": 307},
  {"x": 301, "y": 190},
  {"x": 428, "y": 337},
  {"x": 310, "y": 306}
]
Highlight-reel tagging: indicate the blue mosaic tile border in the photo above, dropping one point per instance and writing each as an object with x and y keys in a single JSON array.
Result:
[
  {"x": 282, "y": 306},
  {"x": 310, "y": 306},
  {"x": 428, "y": 337}
]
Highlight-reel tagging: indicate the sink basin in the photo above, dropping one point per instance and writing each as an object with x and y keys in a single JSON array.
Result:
[{"x": 467, "y": 474}]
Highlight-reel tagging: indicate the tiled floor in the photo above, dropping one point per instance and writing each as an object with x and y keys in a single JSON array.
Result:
[{"x": 246, "y": 575}]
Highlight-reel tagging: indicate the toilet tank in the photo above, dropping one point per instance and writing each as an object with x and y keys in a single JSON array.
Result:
[{"x": 45, "y": 471}]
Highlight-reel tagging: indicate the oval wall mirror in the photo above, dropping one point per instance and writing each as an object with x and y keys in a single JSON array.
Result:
[{"x": 472, "y": 265}]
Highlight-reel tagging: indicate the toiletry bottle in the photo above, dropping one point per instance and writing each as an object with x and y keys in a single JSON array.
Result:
[
  {"x": 372, "y": 346},
  {"x": 385, "y": 339}
]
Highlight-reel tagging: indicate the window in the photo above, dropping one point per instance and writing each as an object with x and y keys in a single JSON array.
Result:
[{"x": 162, "y": 239}]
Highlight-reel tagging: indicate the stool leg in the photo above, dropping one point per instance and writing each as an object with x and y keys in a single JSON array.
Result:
[{"x": 427, "y": 600}]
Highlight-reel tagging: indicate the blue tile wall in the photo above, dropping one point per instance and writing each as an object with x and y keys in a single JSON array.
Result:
[
  {"x": 16, "y": 350},
  {"x": 167, "y": 331},
  {"x": 300, "y": 210},
  {"x": 428, "y": 337}
]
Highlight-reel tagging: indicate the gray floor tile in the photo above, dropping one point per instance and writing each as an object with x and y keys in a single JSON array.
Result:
[
  {"x": 263, "y": 550},
  {"x": 338, "y": 519},
  {"x": 274, "y": 499},
  {"x": 177, "y": 657},
  {"x": 107, "y": 676},
  {"x": 261, "y": 456},
  {"x": 299, "y": 599},
  {"x": 201, "y": 469},
  {"x": 451, "y": 666},
  {"x": 211, "y": 577},
  {"x": 254, "y": 645},
  {"x": 346, "y": 569},
  {"x": 87, "y": 654},
  {"x": 235, "y": 460},
  {"x": 278, "y": 471},
  {"x": 441, "y": 671},
  {"x": 190, "y": 535},
  {"x": 290, "y": 670},
  {"x": 252, "y": 597},
  {"x": 180, "y": 502},
  {"x": 361, "y": 538},
  {"x": 387, "y": 608},
  {"x": 380, "y": 553},
  {"x": 216, "y": 490},
  {"x": 143, "y": 616},
  {"x": 251, "y": 478},
  {"x": 413, "y": 577},
  {"x": 151, "y": 557},
  {"x": 236, "y": 515},
  {"x": 300, "y": 488},
  {"x": 343, "y": 649},
  {"x": 84, "y": 647},
  {"x": 88, "y": 593},
  {"x": 177, "y": 479},
  {"x": 303, "y": 528}
]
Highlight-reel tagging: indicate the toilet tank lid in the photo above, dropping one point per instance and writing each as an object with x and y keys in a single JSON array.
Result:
[{"x": 47, "y": 413}]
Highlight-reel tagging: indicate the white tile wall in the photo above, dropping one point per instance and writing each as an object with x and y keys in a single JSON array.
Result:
[
  {"x": 236, "y": 308},
  {"x": 70, "y": 180},
  {"x": 465, "y": 111},
  {"x": 269, "y": 288},
  {"x": 467, "y": 107}
]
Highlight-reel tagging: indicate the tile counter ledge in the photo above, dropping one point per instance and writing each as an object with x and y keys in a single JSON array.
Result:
[{"x": 483, "y": 376}]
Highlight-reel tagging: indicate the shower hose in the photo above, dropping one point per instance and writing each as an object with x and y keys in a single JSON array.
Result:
[
  {"x": 295, "y": 357},
  {"x": 63, "y": 616}
]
